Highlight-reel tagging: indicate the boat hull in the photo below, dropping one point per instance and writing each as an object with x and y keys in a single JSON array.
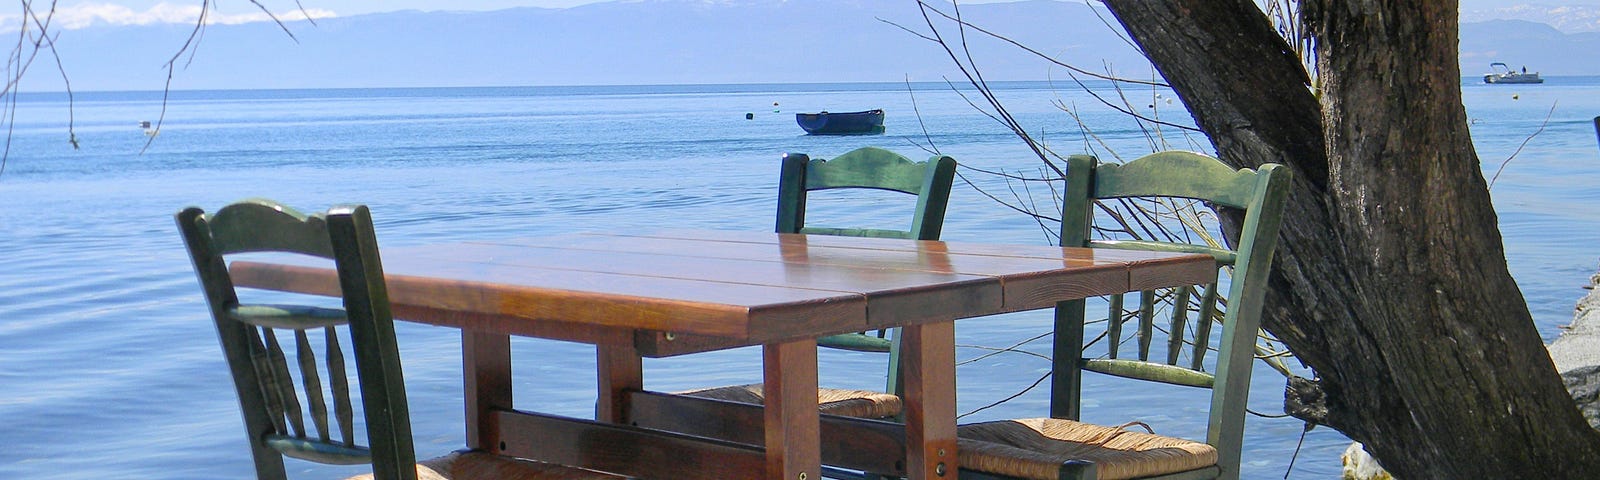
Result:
[
  {"x": 868, "y": 122},
  {"x": 1504, "y": 74},
  {"x": 1520, "y": 78}
]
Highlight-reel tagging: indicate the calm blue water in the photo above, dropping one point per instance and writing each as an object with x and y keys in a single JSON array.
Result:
[{"x": 110, "y": 367}]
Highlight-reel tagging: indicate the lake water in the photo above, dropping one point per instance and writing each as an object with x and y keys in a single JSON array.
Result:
[{"x": 110, "y": 368}]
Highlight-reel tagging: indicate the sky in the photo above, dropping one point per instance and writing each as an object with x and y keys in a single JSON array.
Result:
[
  {"x": 73, "y": 14},
  {"x": 83, "y": 13}
]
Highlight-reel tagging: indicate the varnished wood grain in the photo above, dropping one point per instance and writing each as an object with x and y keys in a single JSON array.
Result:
[
  {"x": 755, "y": 287},
  {"x": 680, "y": 292},
  {"x": 790, "y": 384},
  {"x": 927, "y": 363},
  {"x": 626, "y": 450},
  {"x": 608, "y": 300},
  {"x": 619, "y": 371},
  {"x": 513, "y": 325},
  {"x": 1166, "y": 272},
  {"x": 486, "y": 364},
  {"x": 855, "y": 443}
]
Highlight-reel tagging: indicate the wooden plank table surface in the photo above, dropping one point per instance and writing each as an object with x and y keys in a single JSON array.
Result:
[{"x": 681, "y": 292}]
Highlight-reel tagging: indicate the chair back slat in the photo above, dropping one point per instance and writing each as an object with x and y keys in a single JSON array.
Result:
[
  {"x": 1260, "y": 193},
  {"x": 311, "y": 382},
  {"x": 288, "y": 317},
  {"x": 339, "y": 382},
  {"x": 267, "y": 379},
  {"x": 1180, "y": 318},
  {"x": 867, "y": 168},
  {"x": 1147, "y": 322},
  {"x": 259, "y": 225},
  {"x": 281, "y": 385},
  {"x": 858, "y": 232},
  {"x": 1177, "y": 175},
  {"x": 1223, "y": 256},
  {"x": 1202, "y": 328},
  {"x": 276, "y": 398},
  {"x": 1114, "y": 319}
]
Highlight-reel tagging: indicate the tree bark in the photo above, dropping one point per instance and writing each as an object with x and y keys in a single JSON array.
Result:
[{"x": 1390, "y": 280}]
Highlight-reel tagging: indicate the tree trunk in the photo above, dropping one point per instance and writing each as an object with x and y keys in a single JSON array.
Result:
[{"x": 1390, "y": 280}]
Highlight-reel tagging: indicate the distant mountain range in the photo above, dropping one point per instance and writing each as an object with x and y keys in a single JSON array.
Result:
[
  {"x": 1566, "y": 18},
  {"x": 670, "y": 42},
  {"x": 1537, "y": 46}
]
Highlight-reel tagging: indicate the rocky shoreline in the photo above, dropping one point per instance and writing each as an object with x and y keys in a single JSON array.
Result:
[{"x": 1576, "y": 354}]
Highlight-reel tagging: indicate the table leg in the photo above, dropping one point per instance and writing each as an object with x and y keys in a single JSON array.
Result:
[
  {"x": 486, "y": 364},
  {"x": 620, "y": 370},
  {"x": 928, "y": 362},
  {"x": 790, "y": 418}
]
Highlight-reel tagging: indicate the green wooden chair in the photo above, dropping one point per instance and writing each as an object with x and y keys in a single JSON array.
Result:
[
  {"x": 1061, "y": 447},
  {"x": 862, "y": 168},
  {"x": 265, "y": 371}
]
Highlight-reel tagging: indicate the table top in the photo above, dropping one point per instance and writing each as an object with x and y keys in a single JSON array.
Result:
[{"x": 663, "y": 290}]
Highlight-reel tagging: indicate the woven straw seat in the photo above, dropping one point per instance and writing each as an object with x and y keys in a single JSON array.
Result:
[
  {"x": 480, "y": 465},
  {"x": 1035, "y": 448},
  {"x": 830, "y": 401},
  {"x": 1095, "y": 196}
]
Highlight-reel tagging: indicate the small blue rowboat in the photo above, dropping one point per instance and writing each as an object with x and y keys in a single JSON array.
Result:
[{"x": 869, "y": 122}]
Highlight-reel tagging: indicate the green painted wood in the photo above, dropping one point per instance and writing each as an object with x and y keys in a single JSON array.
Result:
[
  {"x": 867, "y": 168},
  {"x": 1223, "y": 256},
  {"x": 319, "y": 452},
  {"x": 1202, "y": 331},
  {"x": 858, "y": 232},
  {"x": 858, "y": 342},
  {"x": 287, "y": 317},
  {"x": 1114, "y": 320},
  {"x": 343, "y": 410},
  {"x": 261, "y": 225},
  {"x": 873, "y": 168},
  {"x": 275, "y": 410},
  {"x": 1176, "y": 174},
  {"x": 1260, "y": 193},
  {"x": 312, "y": 379},
  {"x": 1147, "y": 322},
  {"x": 1076, "y": 215},
  {"x": 1180, "y": 319},
  {"x": 1140, "y": 370},
  {"x": 1247, "y": 290}
]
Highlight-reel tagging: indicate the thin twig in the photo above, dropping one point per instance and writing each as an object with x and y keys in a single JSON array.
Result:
[{"x": 1524, "y": 144}]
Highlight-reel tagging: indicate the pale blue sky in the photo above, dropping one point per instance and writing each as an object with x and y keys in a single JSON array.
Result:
[
  {"x": 341, "y": 7},
  {"x": 75, "y": 14},
  {"x": 84, "y": 13}
]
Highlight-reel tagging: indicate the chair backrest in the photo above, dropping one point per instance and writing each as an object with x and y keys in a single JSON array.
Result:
[
  {"x": 275, "y": 409},
  {"x": 1178, "y": 175},
  {"x": 867, "y": 168},
  {"x": 871, "y": 168}
]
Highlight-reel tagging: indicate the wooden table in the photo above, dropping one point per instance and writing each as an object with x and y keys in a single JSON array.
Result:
[{"x": 692, "y": 291}]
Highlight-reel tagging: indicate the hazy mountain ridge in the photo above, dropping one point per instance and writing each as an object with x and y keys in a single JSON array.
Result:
[
  {"x": 1520, "y": 43},
  {"x": 1570, "y": 19},
  {"x": 666, "y": 42}
]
